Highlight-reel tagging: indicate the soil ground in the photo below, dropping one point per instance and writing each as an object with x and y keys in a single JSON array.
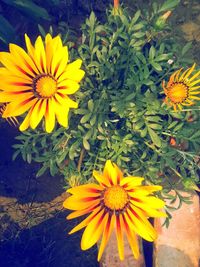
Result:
[{"x": 33, "y": 228}]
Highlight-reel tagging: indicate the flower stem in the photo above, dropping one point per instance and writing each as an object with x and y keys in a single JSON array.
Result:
[{"x": 80, "y": 159}]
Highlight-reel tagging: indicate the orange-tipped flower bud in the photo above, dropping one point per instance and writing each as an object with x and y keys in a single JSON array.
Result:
[
  {"x": 161, "y": 21},
  {"x": 116, "y": 3}
]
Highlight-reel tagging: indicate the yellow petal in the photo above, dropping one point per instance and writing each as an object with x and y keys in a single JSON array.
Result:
[
  {"x": 40, "y": 56},
  {"x": 172, "y": 77},
  {"x": 176, "y": 77},
  {"x": 20, "y": 106},
  {"x": 132, "y": 239},
  {"x": 51, "y": 46},
  {"x": 37, "y": 113},
  {"x": 26, "y": 122},
  {"x": 65, "y": 101},
  {"x": 80, "y": 202},
  {"x": 150, "y": 201},
  {"x": 93, "y": 230},
  {"x": 12, "y": 96},
  {"x": 86, "y": 221},
  {"x": 139, "y": 223},
  {"x": 101, "y": 179},
  {"x": 59, "y": 62},
  {"x": 14, "y": 68},
  {"x": 119, "y": 233},
  {"x": 131, "y": 181},
  {"x": 194, "y": 76},
  {"x": 48, "y": 38},
  {"x": 29, "y": 46},
  {"x": 23, "y": 59},
  {"x": 49, "y": 116},
  {"x": 61, "y": 114},
  {"x": 75, "y": 75},
  {"x": 109, "y": 225},
  {"x": 68, "y": 87},
  {"x": 78, "y": 213},
  {"x": 110, "y": 172},
  {"x": 195, "y": 97},
  {"x": 13, "y": 83},
  {"x": 190, "y": 70},
  {"x": 74, "y": 65},
  {"x": 194, "y": 83},
  {"x": 194, "y": 92},
  {"x": 85, "y": 189},
  {"x": 144, "y": 190}
]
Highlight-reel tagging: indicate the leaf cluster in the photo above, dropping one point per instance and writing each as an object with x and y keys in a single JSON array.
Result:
[{"x": 121, "y": 114}]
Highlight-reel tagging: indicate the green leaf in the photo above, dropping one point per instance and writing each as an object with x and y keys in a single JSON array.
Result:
[
  {"x": 138, "y": 34},
  {"x": 41, "y": 30},
  {"x": 162, "y": 57},
  {"x": 186, "y": 48},
  {"x": 154, "y": 137},
  {"x": 152, "y": 53},
  {"x": 92, "y": 20},
  {"x": 169, "y": 5},
  {"x": 99, "y": 28},
  {"x": 172, "y": 124},
  {"x": 155, "y": 126},
  {"x": 86, "y": 144},
  {"x": 29, "y": 8},
  {"x": 135, "y": 18},
  {"x": 138, "y": 26},
  {"x": 143, "y": 132},
  {"x": 15, "y": 154},
  {"x": 139, "y": 125},
  {"x": 41, "y": 171},
  {"x": 7, "y": 32},
  {"x": 156, "y": 66},
  {"x": 90, "y": 105},
  {"x": 85, "y": 118}
]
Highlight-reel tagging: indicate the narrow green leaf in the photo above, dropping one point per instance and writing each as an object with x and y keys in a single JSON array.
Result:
[
  {"x": 154, "y": 137},
  {"x": 85, "y": 118},
  {"x": 86, "y": 144},
  {"x": 156, "y": 66},
  {"x": 169, "y": 5},
  {"x": 90, "y": 105},
  {"x": 152, "y": 53}
]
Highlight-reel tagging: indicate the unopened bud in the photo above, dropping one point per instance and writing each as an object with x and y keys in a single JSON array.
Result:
[
  {"x": 161, "y": 21},
  {"x": 117, "y": 9}
]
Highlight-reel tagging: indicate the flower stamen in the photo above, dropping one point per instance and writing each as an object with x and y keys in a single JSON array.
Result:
[
  {"x": 44, "y": 86},
  {"x": 115, "y": 198},
  {"x": 177, "y": 92}
]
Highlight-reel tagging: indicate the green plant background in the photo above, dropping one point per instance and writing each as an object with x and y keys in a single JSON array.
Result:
[{"x": 121, "y": 115}]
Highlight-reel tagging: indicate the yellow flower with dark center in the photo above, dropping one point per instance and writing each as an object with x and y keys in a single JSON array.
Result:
[
  {"x": 182, "y": 88},
  {"x": 119, "y": 203},
  {"x": 39, "y": 81}
]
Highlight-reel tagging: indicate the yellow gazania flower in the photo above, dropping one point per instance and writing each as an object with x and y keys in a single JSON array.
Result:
[
  {"x": 117, "y": 202},
  {"x": 182, "y": 88},
  {"x": 40, "y": 81}
]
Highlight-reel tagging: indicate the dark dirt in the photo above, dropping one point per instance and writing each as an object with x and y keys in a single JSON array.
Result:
[{"x": 33, "y": 228}]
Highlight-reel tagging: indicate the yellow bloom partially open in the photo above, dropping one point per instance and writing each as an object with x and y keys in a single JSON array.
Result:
[
  {"x": 116, "y": 202},
  {"x": 182, "y": 88},
  {"x": 39, "y": 81}
]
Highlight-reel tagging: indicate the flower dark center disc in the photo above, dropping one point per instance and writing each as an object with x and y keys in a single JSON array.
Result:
[
  {"x": 177, "y": 92},
  {"x": 115, "y": 197},
  {"x": 45, "y": 86}
]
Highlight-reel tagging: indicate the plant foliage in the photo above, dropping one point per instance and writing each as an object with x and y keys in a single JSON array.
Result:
[{"x": 121, "y": 114}]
